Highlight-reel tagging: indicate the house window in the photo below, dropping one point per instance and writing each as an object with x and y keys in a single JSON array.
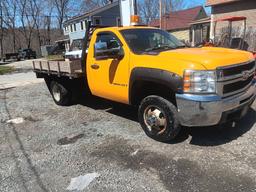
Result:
[
  {"x": 118, "y": 21},
  {"x": 74, "y": 27},
  {"x": 71, "y": 28},
  {"x": 82, "y": 25},
  {"x": 96, "y": 20}
]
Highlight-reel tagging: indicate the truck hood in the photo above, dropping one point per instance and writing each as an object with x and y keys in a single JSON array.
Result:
[{"x": 209, "y": 57}]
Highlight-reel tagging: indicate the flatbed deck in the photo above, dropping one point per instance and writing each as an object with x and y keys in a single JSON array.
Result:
[{"x": 59, "y": 68}]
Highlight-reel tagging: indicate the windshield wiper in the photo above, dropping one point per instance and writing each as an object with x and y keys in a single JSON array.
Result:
[{"x": 180, "y": 46}]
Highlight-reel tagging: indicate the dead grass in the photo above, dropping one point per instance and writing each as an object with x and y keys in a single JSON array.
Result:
[
  {"x": 54, "y": 57},
  {"x": 5, "y": 69}
]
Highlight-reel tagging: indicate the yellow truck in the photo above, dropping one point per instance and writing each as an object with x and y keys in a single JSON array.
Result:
[{"x": 172, "y": 85}]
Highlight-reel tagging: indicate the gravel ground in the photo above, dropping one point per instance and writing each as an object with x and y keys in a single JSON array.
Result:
[{"x": 105, "y": 138}]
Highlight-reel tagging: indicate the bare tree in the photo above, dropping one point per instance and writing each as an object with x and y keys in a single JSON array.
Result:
[
  {"x": 1, "y": 30},
  {"x": 26, "y": 19},
  {"x": 92, "y": 4},
  {"x": 35, "y": 9},
  {"x": 62, "y": 7},
  {"x": 175, "y": 5},
  {"x": 149, "y": 10},
  {"x": 10, "y": 12}
]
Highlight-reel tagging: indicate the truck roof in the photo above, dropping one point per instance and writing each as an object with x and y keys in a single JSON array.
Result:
[{"x": 123, "y": 28}]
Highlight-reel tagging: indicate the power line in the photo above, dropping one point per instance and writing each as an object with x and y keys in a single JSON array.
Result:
[{"x": 29, "y": 15}]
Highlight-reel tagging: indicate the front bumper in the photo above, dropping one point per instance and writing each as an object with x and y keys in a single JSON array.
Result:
[{"x": 208, "y": 110}]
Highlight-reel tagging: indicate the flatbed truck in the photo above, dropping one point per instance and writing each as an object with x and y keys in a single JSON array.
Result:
[{"x": 172, "y": 85}]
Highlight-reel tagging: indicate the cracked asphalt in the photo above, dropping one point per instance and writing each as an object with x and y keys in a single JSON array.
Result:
[{"x": 55, "y": 144}]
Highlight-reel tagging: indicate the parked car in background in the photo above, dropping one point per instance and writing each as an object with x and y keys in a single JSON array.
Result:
[
  {"x": 75, "y": 51},
  {"x": 9, "y": 56},
  {"x": 27, "y": 54}
]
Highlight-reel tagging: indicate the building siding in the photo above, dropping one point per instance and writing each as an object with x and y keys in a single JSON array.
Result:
[
  {"x": 108, "y": 17},
  {"x": 216, "y": 2},
  {"x": 238, "y": 8},
  {"x": 181, "y": 34}
]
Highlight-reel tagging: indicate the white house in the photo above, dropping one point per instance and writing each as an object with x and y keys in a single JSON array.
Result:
[{"x": 75, "y": 28}]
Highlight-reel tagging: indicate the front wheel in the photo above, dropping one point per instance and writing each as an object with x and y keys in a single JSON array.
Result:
[{"x": 159, "y": 118}]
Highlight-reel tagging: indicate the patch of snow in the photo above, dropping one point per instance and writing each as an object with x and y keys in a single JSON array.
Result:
[
  {"x": 135, "y": 152},
  {"x": 16, "y": 120},
  {"x": 81, "y": 182}
]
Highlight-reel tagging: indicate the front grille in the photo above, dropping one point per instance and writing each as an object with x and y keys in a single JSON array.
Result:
[
  {"x": 232, "y": 87},
  {"x": 235, "y": 79},
  {"x": 236, "y": 70}
]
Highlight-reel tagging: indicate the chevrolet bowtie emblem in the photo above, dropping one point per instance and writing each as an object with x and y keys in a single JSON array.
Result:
[{"x": 245, "y": 75}]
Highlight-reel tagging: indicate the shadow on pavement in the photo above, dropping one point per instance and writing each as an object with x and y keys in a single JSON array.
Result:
[
  {"x": 202, "y": 136},
  {"x": 122, "y": 110},
  {"x": 218, "y": 135}
]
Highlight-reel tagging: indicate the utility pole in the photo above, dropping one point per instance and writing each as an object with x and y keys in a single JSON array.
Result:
[
  {"x": 160, "y": 13},
  {"x": 170, "y": 9}
]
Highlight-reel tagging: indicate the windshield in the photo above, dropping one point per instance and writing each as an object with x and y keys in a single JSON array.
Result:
[{"x": 147, "y": 40}]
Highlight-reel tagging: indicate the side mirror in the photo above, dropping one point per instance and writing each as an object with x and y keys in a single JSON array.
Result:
[{"x": 103, "y": 52}]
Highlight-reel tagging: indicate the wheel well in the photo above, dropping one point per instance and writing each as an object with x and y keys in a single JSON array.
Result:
[{"x": 142, "y": 89}]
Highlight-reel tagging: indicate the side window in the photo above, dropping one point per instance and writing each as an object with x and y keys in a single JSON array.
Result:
[
  {"x": 110, "y": 40},
  {"x": 106, "y": 44}
]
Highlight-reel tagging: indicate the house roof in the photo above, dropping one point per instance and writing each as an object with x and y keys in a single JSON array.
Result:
[
  {"x": 91, "y": 12},
  {"x": 218, "y": 2},
  {"x": 178, "y": 19}
]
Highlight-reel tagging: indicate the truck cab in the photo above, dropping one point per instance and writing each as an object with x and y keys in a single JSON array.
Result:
[{"x": 172, "y": 85}]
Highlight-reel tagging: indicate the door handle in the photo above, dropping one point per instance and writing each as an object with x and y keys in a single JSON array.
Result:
[{"x": 95, "y": 66}]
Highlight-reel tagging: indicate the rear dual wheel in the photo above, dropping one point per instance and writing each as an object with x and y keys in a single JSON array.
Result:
[
  {"x": 159, "y": 118},
  {"x": 60, "y": 92}
]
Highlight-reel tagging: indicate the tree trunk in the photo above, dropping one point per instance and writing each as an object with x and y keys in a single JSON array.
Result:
[
  {"x": 2, "y": 31},
  {"x": 14, "y": 39}
]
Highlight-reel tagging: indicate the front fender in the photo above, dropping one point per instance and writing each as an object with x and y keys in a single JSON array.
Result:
[{"x": 171, "y": 80}]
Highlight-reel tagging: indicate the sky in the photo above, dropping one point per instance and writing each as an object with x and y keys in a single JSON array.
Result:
[{"x": 194, "y": 3}]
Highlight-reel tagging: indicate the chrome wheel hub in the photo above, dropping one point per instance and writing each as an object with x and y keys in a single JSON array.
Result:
[
  {"x": 155, "y": 119},
  {"x": 56, "y": 92}
]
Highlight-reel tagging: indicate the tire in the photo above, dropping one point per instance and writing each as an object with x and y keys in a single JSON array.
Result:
[
  {"x": 60, "y": 93},
  {"x": 158, "y": 118}
]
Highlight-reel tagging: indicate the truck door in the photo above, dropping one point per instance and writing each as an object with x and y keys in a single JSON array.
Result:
[{"x": 108, "y": 67}]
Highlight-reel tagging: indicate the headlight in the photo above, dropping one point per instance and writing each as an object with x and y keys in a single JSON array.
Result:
[{"x": 199, "y": 81}]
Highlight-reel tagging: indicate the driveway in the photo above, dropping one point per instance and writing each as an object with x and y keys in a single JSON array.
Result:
[{"x": 21, "y": 77}]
